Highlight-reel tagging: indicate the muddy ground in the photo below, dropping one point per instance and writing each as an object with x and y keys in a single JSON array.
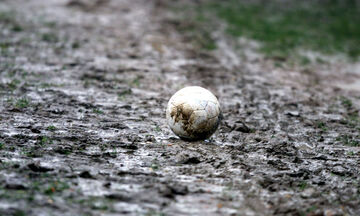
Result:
[{"x": 84, "y": 86}]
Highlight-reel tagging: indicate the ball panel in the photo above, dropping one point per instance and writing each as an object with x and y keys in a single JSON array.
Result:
[
  {"x": 197, "y": 92},
  {"x": 211, "y": 111},
  {"x": 199, "y": 118}
]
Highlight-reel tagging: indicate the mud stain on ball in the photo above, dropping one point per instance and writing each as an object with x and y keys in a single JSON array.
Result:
[{"x": 184, "y": 114}]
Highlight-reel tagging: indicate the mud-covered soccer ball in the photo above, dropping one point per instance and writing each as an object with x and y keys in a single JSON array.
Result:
[{"x": 193, "y": 113}]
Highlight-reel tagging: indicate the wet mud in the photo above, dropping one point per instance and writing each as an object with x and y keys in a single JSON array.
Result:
[{"x": 83, "y": 91}]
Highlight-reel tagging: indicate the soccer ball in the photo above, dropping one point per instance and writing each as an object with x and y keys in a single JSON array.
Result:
[{"x": 193, "y": 113}]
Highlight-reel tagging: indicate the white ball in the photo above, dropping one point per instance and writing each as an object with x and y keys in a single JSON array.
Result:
[{"x": 193, "y": 113}]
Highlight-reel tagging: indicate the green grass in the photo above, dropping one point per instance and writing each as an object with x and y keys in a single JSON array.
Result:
[
  {"x": 51, "y": 128},
  {"x": 122, "y": 95},
  {"x": 95, "y": 203},
  {"x": 302, "y": 186},
  {"x": 311, "y": 209},
  {"x": 157, "y": 128},
  {"x": 6, "y": 16},
  {"x": 352, "y": 120},
  {"x": 154, "y": 213},
  {"x": 9, "y": 18},
  {"x": 56, "y": 187},
  {"x": 44, "y": 140},
  {"x": 346, "y": 102},
  {"x": 350, "y": 153},
  {"x": 327, "y": 26},
  {"x": 17, "y": 28},
  {"x": 50, "y": 37},
  {"x": 4, "y": 48},
  {"x": 136, "y": 82},
  {"x": 33, "y": 152},
  {"x": 14, "y": 84},
  {"x": 98, "y": 111},
  {"x": 348, "y": 140},
  {"x": 5, "y": 45},
  {"x": 322, "y": 126},
  {"x": 22, "y": 103}
]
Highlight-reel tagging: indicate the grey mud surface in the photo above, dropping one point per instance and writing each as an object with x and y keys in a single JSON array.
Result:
[{"x": 83, "y": 90}]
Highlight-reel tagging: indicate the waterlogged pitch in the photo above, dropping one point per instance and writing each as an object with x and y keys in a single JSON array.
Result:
[{"x": 193, "y": 113}]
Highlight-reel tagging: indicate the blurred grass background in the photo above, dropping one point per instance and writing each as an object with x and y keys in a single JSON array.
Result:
[{"x": 282, "y": 26}]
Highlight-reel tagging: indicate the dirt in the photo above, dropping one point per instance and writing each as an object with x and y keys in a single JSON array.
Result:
[
  {"x": 84, "y": 86},
  {"x": 185, "y": 115}
]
